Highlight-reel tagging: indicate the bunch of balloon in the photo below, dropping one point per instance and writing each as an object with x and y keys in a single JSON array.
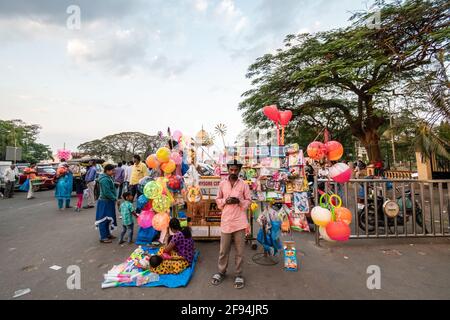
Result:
[
  {"x": 332, "y": 219},
  {"x": 279, "y": 118}
]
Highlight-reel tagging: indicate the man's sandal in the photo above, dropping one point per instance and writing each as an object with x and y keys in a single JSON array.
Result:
[
  {"x": 239, "y": 283},
  {"x": 217, "y": 279}
]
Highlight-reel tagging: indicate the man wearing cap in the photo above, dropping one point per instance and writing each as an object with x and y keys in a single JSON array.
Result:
[{"x": 233, "y": 199}]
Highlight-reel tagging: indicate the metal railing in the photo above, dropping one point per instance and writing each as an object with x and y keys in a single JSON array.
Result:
[{"x": 424, "y": 207}]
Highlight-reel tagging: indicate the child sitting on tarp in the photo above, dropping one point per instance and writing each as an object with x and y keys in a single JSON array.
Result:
[{"x": 178, "y": 254}]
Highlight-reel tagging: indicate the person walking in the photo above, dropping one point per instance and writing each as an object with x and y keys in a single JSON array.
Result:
[
  {"x": 105, "y": 217},
  {"x": 139, "y": 171},
  {"x": 64, "y": 185},
  {"x": 233, "y": 199},
  {"x": 128, "y": 169},
  {"x": 91, "y": 174},
  {"x": 11, "y": 174},
  {"x": 119, "y": 178},
  {"x": 31, "y": 173}
]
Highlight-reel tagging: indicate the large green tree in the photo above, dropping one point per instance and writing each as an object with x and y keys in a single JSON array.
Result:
[
  {"x": 18, "y": 133},
  {"x": 350, "y": 71},
  {"x": 122, "y": 146}
]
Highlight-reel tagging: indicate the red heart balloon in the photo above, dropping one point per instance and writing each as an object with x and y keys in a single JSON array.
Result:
[
  {"x": 272, "y": 113},
  {"x": 285, "y": 117}
]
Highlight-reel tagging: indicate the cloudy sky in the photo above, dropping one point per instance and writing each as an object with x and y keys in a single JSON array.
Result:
[{"x": 137, "y": 65}]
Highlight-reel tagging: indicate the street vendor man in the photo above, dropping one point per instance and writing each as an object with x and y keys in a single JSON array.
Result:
[{"x": 233, "y": 199}]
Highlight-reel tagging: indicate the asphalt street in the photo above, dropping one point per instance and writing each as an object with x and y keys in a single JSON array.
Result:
[{"x": 36, "y": 236}]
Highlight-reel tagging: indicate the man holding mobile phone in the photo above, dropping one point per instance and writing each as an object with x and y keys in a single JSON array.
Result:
[{"x": 233, "y": 199}]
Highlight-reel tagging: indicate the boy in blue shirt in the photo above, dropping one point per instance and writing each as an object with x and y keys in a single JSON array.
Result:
[{"x": 127, "y": 212}]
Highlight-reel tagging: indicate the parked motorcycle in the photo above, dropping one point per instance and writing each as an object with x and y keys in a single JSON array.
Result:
[{"x": 373, "y": 216}]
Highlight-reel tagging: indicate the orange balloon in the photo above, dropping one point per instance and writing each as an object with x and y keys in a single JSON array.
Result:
[
  {"x": 161, "y": 221},
  {"x": 316, "y": 150},
  {"x": 168, "y": 167},
  {"x": 335, "y": 150},
  {"x": 343, "y": 215},
  {"x": 152, "y": 162}
]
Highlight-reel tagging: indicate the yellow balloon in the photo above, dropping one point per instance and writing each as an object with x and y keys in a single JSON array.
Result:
[{"x": 163, "y": 154}]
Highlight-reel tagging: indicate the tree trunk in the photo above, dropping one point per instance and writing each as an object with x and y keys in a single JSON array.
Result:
[
  {"x": 371, "y": 141},
  {"x": 366, "y": 130}
]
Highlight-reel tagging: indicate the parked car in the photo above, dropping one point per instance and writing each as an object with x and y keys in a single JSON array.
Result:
[
  {"x": 50, "y": 173},
  {"x": 43, "y": 171}
]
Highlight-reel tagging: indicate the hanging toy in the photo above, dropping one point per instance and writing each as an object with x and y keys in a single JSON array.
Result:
[
  {"x": 335, "y": 150},
  {"x": 316, "y": 150}
]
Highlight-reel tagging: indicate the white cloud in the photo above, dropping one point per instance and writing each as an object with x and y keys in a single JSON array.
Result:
[
  {"x": 201, "y": 5},
  {"x": 232, "y": 16}
]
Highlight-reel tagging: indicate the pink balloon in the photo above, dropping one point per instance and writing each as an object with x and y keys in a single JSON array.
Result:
[
  {"x": 145, "y": 219},
  {"x": 272, "y": 113},
  {"x": 285, "y": 117},
  {"x": 176, "y": 157},
  {"x": 177, "y": 135}
]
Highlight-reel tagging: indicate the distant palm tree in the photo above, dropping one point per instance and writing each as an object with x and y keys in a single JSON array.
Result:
[{"x": 221, "y": 130}]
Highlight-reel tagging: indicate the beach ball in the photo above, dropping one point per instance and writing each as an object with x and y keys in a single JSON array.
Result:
[
  {"x": 340, "y": 172},
  {"x": 335, "y": 150},
  {"x": 343, "y": 215},
  {"x": 161, "y": 221},
  {"x": 339, "y": 231},
  {"x": 161, "y": 204},
  {"x": 152, "y": 162},
  {"x": 153, "y": 190},
  {"x": 145, "y": 219},
  {"x": 321, "y": 216},
  {"x": 316, "y": 150},
  {"x": 168, "y": 167},
  {"x": 324, "y": 234},
  {"x": 163, "y": 154}
]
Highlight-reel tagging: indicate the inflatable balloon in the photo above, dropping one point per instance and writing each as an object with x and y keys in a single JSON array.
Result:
[
  {"x": 285, "y": 117},
  {"x": 161, "y": 221},
  {"x": 316, "y": 150},
  {"x": 148, "y": 206},
  {"x": 176, "y": 157},
  {"x": 176, "y": 135},
  {"x": 152, "y": 162},
  {"x": 343, "y": 215},
  {"x": 335, "y": 150},
  {"x": 321, "y": 216},
  {"x": 324, "y": 234},
  {"x": 174, "y": 183},
  {"x": 163, "y": 154},
  {"x": 168, "y": 167},
  {"x": 153, "y": 190},
  {"x": 161, "y": 204},
  {"x": 141, "y": 202},
  {"x": 338, "y": 231},
  {"x": 272, "y": 113},
  {"x": 340, "y": 172},
  {"x": 145, "y": 219}
]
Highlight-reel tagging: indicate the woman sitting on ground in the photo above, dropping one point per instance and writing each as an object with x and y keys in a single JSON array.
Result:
[{"x": 178, "y": 254}]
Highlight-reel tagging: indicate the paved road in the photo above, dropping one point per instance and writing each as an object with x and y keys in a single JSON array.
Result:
[{"x": 35, "y": 236}]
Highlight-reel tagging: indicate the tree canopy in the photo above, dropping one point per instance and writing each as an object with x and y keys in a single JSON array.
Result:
[
  {"x": 122, "y": 146},
  {"x": 24, "y": 135},
  {"x": 346, "y": 75}
]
